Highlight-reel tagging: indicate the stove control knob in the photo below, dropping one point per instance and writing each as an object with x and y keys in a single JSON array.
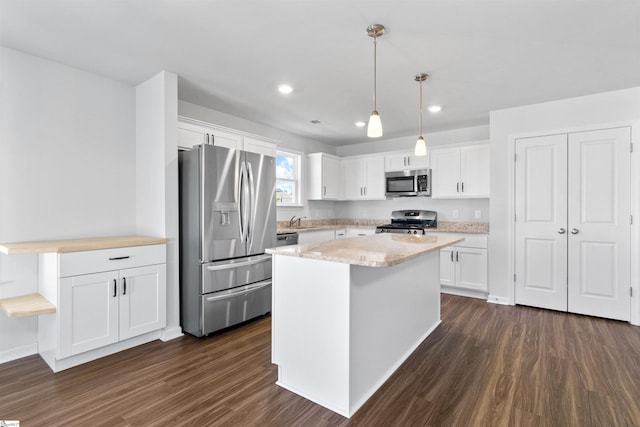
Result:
[
  {"x": 408, "y": 231},
  {"x": 415, "y": 232}
]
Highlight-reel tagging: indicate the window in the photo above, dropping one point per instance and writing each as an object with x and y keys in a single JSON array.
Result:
[{"x": 287, "y": 179}]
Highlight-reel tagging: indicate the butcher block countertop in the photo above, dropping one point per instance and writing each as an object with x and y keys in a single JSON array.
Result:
[
  {"x": 379, "y": 250},
  {"x": 76, "y": 245}
]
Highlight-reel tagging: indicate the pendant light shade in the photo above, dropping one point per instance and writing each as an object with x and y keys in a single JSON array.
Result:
[
  {"x": 374, "y": 129},
  {"x": 421, "y": 145}
]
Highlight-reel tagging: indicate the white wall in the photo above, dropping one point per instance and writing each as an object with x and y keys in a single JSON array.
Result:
[
  {"x": 67, "y": 168},
  {"x": 582, "y": 113}
]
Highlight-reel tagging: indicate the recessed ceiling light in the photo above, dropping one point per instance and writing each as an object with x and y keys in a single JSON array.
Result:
[
  {"x": 360, "y": 124},
  {"x": 435, "y": 108},
  {"x": 285, "y": 89}
]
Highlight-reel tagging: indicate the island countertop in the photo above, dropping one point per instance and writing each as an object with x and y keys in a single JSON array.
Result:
[{"x": 379, "y": 250}]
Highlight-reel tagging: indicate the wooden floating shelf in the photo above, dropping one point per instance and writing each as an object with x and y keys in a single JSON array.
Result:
[{"x": 27, "y": 305}]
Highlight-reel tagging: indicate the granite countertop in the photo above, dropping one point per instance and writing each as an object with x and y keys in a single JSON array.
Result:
[
  {"x": 443, "y": 226},
  {"x": 75, "y": 245},
  {"x": 379, "y": 250}
]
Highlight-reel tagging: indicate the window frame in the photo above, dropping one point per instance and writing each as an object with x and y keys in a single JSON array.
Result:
[{"x": 298, "y": 158}]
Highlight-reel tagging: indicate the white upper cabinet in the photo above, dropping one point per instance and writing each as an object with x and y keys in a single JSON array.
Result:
[
  {"x": 193, "y": 132},
  {"x": 323, "y": 176},
  {"x": 461, "y": 172},
  {"x": 404, "y": 161},
  {"x": 363, "y": 177}
]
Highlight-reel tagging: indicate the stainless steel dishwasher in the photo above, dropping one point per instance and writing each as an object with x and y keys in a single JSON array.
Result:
[{"x": 285, "y": 239}]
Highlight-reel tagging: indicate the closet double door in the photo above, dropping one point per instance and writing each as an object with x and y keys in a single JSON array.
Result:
[{"x": 573, "y": 222}]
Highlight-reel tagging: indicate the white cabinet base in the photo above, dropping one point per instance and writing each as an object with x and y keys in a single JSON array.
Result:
[
  {"x": 330, "y": 341},
  {"x": 57, "y": 365}
]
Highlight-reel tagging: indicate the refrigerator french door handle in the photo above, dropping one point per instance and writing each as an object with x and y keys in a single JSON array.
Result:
[
  {"x": 252, "y": 201},
  {"x": 241, "y": 201}
]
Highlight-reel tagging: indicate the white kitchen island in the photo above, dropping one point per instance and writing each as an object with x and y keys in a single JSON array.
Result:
[{"x": 348, "y": 312}]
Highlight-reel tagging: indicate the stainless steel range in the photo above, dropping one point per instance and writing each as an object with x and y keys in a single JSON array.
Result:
[{"x": 410, "y": 222}]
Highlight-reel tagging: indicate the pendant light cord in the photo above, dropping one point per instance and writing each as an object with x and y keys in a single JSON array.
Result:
[
  {"x": 420, "y": 118},
  {"x": 375, "y": 77}
]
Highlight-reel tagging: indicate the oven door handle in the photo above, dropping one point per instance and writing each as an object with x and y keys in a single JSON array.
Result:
[{"x": 241, "y": 290}]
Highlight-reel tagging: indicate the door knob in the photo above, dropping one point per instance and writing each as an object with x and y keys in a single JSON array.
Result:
[
  {"x": 562, "y": 231},
  {"x": 574, "y": 231}
]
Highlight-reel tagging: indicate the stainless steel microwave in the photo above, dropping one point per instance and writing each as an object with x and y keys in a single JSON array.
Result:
[{"x": 408, "y": 183}]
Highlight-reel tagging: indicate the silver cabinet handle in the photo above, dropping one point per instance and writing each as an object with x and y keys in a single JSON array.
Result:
[
  {"x": 562, "y": 231},
  {"x": 457, "y": 259},
  {"x": 451, "y": 256},
  {"x": 574, "y": 231},
  {"x": 457, "y": 187},
  {"x": 462, "y": 186},
  {"x": 324, "y": 190}
]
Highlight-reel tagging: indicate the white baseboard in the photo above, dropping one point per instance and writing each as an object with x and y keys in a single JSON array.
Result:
[
  {"x": 494, "y": 299},
  {"x": 18, "y": 352},
  {"x": 463, "y": 292},
  {"x": 171, "y": 332}
]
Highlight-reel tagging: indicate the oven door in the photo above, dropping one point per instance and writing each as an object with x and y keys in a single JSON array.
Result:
[{"x": 400, "y": 184}]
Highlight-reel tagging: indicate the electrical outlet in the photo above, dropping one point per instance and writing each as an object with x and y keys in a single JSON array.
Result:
[
  {"x": 478, "y": 214},
  {"x": 456, "y": 214}
]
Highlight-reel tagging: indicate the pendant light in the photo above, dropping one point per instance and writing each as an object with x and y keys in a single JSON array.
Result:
[
  {"x": 421, "y": 146},
  {"x": 374, "y": 129}
]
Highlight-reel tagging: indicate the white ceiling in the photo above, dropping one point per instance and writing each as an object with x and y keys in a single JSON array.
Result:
[{"x": 231, "y": 54}]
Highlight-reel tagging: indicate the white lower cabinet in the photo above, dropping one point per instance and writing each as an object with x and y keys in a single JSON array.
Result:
[
  {"x": 352, "y": 232},
  {"x": 315, "y": 236},
  {"x": 104, "y": 298},
  {"x": 464, "y": 266}
]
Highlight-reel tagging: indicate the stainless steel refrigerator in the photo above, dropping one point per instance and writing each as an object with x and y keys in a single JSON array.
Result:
[{"x": 227, "y": 219}]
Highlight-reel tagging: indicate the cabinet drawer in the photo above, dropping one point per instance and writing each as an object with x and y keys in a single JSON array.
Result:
[
  {"x": 470, "y": 240},
  {"x": 85, "y": 262}
]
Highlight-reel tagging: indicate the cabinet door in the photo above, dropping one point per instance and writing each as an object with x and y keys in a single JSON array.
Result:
[
  {"x": 258, "y": 146},
  {"x": 471, "y": 268},
  {"x": 405, "y": 161},
  {"x": 474, "y": 171},
  {"x": 354, "y": 174},
  {"x": 142, "y": 300},
  {"x": 353, "y": 232},
  {"x": 88, "y": 312},
  {"x": 315, "y": 236},
  {"x": 330, "y": 178},
  {"x": 447, "y": 267},
  {"x": 374, "y": 187},
  {"x": 188, "y": 137},
  {"x": 446, "y": 173}
]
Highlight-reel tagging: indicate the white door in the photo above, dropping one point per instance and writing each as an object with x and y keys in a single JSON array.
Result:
[
  {"x": 541, "y": 222},
  {"x": 573, "y": 232},
  {"x": 88, "y": 312},
  {"x": 599, "y": 223},
  {"x": 142, "y": 300}
]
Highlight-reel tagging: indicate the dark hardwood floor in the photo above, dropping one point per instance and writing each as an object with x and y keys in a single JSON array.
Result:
[{"x": 485, "y": 365}]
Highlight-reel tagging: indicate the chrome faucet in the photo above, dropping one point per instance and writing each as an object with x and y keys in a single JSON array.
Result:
[{"x": 293, "y": 221}]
